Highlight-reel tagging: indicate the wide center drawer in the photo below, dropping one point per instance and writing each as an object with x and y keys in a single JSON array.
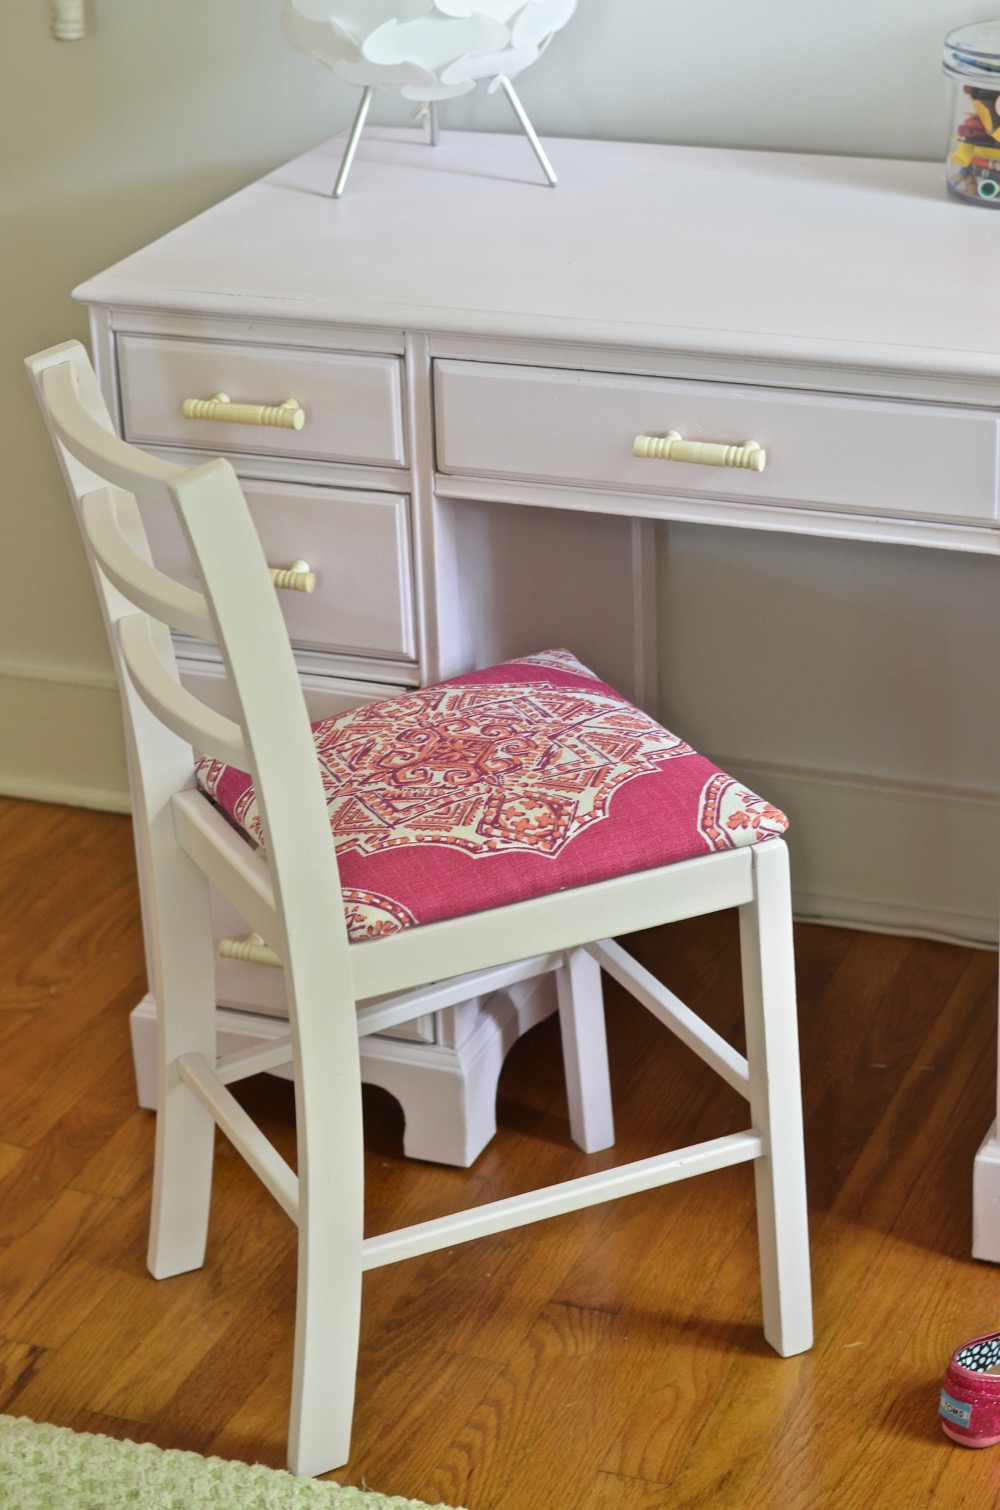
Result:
[
  {"x": 356, "y": 543},
  {"x": 823, "y": 450},
  {"x": 351, "y": 403}
]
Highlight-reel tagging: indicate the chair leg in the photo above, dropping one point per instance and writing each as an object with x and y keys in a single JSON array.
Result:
[
  {"x": 585, "y": 1052},
  {"x": 776, "y": 1102},
  {"x": 327, "y": 1332},
  {"x": 184, "y": 983},
  {"x": 330, "y": 1140}
]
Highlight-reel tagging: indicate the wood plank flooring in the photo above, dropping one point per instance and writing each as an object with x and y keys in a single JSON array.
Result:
[{"x": 609, "y": 1360}]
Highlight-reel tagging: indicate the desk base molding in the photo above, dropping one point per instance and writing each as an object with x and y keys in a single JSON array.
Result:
[{"x": 447, "y": 1095}]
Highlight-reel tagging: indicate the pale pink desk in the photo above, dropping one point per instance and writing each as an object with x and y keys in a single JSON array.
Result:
[{"x": 476, "y": 354}]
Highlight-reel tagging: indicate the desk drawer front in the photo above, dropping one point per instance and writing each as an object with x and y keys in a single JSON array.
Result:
[
  {"x": 358, "y": 546},
  {"x": 352, "y": 404},
  {"x": 823, "y": 450}
]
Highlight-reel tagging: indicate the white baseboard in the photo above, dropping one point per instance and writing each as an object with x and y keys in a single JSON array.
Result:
[
  {"x": 888, "y": 856},
  {"x": 64, "y": 793},
  {"x": 60, "y": 736},
  {"x": 892, "y": 856}
]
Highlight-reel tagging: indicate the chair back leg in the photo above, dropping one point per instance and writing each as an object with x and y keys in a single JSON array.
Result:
[
  {"x": 776, "y": 1102},
  {"x": 184, "y": 986},
  {"x": 585, "y": 1052}
]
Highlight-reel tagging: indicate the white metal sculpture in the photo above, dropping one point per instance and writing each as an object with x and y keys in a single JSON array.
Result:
[{"x": 431, "y": 50}]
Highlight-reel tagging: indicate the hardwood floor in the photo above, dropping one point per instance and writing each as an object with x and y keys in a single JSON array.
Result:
[{"x": 609, "y": 1360}]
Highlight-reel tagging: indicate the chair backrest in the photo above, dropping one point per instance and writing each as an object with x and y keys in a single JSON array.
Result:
[{"x": 238, "y": 611}]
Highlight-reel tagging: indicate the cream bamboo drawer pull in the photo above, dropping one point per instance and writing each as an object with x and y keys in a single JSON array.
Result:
[
  {"x": 299, "y": 577},
  {"x": 288, "y": 415},
  {"x": 671, "y": 447},
  {"x": 252, "y": 950}
]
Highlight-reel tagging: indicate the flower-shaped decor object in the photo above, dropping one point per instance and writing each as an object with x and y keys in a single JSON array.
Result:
[{"x": 431, "y": 50}]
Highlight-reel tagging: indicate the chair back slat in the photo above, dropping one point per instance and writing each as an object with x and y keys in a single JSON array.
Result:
[
  {"x": 104, "y": 475},
  {"x": 105, "y": 514},
  {"x": 78, "y": 418},
  {"x": 208, "y": 732},
  {"x": 238, "y": 610},
  {"x": 281, "y": 755}
]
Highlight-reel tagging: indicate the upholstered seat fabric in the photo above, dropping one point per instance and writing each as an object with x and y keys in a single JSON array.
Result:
[{"x": 527, "y": 778}]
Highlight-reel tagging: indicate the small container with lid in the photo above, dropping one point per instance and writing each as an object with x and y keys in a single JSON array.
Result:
[{"x": 972, "y": 62}]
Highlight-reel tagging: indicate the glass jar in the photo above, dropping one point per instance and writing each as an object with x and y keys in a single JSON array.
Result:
[{"x": 972, "y": 62}]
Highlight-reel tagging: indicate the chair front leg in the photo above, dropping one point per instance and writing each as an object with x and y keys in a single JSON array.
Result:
[
  {"x": 585, "y": 1052},
  {"x": 330, "y": 1141},
  {"x": 776, "y": 1102},
  {"x": 327, "y": 1331}
]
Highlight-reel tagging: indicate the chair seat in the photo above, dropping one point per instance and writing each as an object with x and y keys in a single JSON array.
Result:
[{"x": 527, "y": 778}]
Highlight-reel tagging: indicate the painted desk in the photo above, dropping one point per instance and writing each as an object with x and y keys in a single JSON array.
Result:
[{"x": 477, "y": 355}]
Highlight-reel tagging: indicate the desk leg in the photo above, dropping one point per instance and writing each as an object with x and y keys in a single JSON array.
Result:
[
  {"x": 986, "y": 1191},
  {"x": 986, "y": 1199}
]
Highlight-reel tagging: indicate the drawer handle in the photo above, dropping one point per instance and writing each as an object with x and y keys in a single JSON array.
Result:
[
  {"x": 252, "y": 950},
  {"x": 288, "y": 415},
  {"x": 299, "y": 577},
  {"x": 671, "y": 447}
]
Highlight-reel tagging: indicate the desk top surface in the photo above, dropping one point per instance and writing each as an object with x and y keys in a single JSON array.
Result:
[{"x": 858, "y": 261}]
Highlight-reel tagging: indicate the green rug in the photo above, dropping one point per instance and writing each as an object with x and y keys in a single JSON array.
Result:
[{"x": 51, "y": 1468}]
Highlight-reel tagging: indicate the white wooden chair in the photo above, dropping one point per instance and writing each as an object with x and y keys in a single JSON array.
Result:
[{"x": 292, "y": 896}]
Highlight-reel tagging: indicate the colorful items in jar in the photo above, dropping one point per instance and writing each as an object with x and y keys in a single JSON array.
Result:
[{"x": 974, "y": 163}]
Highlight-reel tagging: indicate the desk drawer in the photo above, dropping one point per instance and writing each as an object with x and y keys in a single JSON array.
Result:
[
  {"x": 357, "y": 544},
  {"x": 823, "y": 451},
  {"x": 352, "y": 404}
]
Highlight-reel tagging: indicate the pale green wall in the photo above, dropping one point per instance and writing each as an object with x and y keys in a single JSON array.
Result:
[
  {"x": 160, "y": 110},
  {"x": 166, "y": 106}
]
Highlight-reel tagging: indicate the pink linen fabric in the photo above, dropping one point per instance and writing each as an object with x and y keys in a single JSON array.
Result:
[{"x": 527, "y": 778}]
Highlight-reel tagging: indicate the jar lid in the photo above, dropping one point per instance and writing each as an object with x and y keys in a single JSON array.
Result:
[{"x": 973, "y": 53}]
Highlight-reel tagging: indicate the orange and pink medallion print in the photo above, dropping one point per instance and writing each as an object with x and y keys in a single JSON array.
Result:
[{"x": 527, "y": 778}]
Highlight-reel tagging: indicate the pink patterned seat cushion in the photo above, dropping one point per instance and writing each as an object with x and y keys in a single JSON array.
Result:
[{"x": 527, "y": 778}]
